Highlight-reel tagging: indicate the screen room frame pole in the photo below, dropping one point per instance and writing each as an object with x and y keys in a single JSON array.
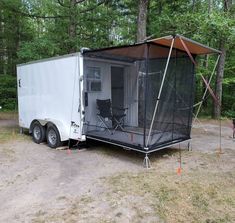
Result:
[{"x": 160, "y": 90}]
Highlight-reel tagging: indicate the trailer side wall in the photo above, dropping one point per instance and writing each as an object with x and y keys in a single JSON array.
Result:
[{"x": 49, "y": 91}]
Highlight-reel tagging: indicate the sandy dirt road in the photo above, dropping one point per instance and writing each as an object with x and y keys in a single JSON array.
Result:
[{"x": 108, "y": 184}]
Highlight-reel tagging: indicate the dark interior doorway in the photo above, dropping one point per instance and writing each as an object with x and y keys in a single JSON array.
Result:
[{"x": 117, "y": 86}]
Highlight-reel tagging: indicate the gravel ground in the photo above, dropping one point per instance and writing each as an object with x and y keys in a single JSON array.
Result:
[{"x": 39, "y": 184}]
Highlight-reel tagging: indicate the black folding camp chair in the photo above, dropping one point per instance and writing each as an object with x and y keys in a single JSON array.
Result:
[{"x": 106, "y": 114}]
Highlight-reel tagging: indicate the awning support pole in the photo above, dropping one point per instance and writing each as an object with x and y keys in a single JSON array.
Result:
[
  {"x": 200, "y": 123},
  {"x": 210, "y": 91},
  {"x": 188, "y": 52},
  {"x": 160, "y": 91},
  {"x": 204, "y": 95}
]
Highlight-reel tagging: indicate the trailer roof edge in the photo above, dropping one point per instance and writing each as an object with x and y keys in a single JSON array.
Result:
[{"x": 49, "y": 59}]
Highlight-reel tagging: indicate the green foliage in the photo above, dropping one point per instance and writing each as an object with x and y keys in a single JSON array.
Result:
[
  {"x": 39, "y": 29},
  {"x": 37, "y": 49},
  {"x": 193, "y": 19},
  {"x": 8, "y": 92}
]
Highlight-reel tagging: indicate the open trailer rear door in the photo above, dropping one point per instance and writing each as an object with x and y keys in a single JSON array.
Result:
[{"x": 77, "y": 114}]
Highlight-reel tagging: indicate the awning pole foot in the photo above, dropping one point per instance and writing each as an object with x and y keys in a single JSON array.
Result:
[
  {"x": 146, "y": 162},
  {"x": 190, "y": 146}
]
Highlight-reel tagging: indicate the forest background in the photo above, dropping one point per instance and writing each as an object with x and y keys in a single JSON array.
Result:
[{"x": 36, "y": 29}]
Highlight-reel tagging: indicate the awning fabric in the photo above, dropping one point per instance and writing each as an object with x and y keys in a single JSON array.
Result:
[
  {"x": 193, "y": 46},
  {"x": 160, "y": 49}
]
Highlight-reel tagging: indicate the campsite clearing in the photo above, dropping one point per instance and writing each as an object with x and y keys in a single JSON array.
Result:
[{"x": 108, "y": 184}]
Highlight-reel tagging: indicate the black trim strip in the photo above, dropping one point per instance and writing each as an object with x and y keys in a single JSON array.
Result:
[{"x": 151, "y": 149}]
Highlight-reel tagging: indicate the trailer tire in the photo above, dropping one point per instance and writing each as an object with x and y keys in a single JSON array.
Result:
[
  {"x": 38, "y": 132},
  {"x": 53, "y": 136}
]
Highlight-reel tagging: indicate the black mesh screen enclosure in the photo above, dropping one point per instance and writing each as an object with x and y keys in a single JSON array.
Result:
[{"x": 139, "y": 96}]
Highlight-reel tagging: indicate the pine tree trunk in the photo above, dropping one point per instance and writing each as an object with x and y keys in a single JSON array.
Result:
[
  {"x": 142, "y": 20},
  {"x": 220, "y": 70},
  {"x": 1, "y": 43},
  {"x": 219, "y": 80},
  {"x": 205, "y": 64},
  {"x": 210, "y": 2},
  {"x": 72, "y": 26}
]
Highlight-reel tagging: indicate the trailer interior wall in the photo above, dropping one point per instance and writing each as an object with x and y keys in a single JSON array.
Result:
[
  {"x": 129, "y": 88},
  {"x": 49, "y": 91}
]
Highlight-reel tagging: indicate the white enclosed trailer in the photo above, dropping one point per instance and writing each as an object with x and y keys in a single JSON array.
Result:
[
  {"x": 137, "y": 96},
  {"x": 49, "y": 98}
]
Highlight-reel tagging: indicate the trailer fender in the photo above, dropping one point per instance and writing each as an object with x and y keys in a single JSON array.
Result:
[{"x": 63, "y": 131}]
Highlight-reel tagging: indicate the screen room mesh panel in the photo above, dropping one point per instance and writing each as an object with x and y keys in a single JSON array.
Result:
[
  {"x": 173, "y": 117},
  {"x": 130, "y": 78}
]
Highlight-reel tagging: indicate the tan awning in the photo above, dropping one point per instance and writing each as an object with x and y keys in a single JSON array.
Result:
[
  {"x": 193, "y": 46},
  {"x": 159, "y": 49}
]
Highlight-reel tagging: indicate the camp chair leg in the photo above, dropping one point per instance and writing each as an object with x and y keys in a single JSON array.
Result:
[
  {"x": 102, "y": 122},
  {"x": 146, "y": 162},
  {"x": 118, "y": 124}
]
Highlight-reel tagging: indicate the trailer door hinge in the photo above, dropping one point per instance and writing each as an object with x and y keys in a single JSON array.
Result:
[{"x": 19, "y": 82}]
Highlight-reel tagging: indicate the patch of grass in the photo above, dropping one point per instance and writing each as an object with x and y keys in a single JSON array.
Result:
[
  {"x": 75, "y": 211},
  {"x": 6, "y": 133},
  {"x": 9, "y": 134},
  {"x": 8, "y": 115},
  {"x": 196, "y": 197},
  {"x": 8, "y": 127},
  {"x": 203, "y": 193}
]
